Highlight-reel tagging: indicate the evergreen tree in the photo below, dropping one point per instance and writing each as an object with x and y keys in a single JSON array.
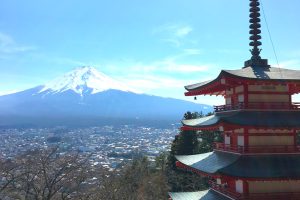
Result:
[
  {"x": 185, "y": 143},
  {"x": 189, "y": 143}
]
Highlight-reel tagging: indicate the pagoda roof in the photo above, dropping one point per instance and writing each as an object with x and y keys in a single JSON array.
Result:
[
  {"x": 201, "y": 195},
  {"x": 254, "y": 73},
  {"x": 245, "y": 166},
  {"x": 265, "y": 73},
  {"x": 271, "y": 119},
  {"x": 209, "y": 163},
  {"x": 265, "y": 166}
]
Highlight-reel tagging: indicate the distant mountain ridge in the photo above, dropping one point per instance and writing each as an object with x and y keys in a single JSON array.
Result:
[{"x": 88, "y": 97}]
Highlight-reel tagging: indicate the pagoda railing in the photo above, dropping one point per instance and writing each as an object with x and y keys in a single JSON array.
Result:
[
  {"x": 257, "y": 149},
  {"x": 258, "y": 105},
  {"x": 224, "y": 189}
]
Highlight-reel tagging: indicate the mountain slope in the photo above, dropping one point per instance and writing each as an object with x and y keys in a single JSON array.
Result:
[
  {"x": 85, "y": 95},
  {"x": 83, "y": 80}
]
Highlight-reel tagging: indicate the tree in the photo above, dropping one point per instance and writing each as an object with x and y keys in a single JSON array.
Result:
[
  {"x": 139, "y": 180},
  {"x": 189, "y": 143},
  {"x": 185, "y": 143},
  {"x": 47, "y": 175}
]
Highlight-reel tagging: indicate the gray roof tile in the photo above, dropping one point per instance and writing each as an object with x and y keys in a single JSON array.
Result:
[
  {"x": 201, "y": 195},
  {"x": 245, "y": 166},
  {"x": 259, "y": 73},
  {"x": 274, "y": 119}
]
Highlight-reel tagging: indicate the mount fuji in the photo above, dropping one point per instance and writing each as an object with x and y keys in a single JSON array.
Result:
[{"x": 85, "y": 97}]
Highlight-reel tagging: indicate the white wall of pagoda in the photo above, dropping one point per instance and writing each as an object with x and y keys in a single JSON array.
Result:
[
  {"x": 269, "y": 131},
  {"x": 257, "y": 94},
  {"x": 268, "y": 88},
  {"x": 271, "y": 140},
  {"x": 260, "y": 137},
  {"x": 271, "y": 98},
  {"x": 239, "y": 186},
  {"x": 274, "y": 186}
]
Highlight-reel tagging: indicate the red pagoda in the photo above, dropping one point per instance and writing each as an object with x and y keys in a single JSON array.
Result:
[{"x": 259, "y": 158}]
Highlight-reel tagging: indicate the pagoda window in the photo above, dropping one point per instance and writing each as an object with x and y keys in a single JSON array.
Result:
[
  {"x": 228, "y": 100},
  {"x": 241, "y": 98},
  {"x": 223, "y": 81},
  {"x": 239, "y": 187},
  {"x": 239, "y": 89},
  {"x": 241, "y": 140},
  {"x": 227, "y": 139}
]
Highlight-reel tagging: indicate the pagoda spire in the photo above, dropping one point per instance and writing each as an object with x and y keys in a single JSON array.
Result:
[
  {"x": 255, "y": 29},
  {"x": 255, "y": 36}
]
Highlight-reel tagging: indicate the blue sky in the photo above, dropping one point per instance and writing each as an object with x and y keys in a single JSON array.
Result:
[{"x": 155, "y": 46}]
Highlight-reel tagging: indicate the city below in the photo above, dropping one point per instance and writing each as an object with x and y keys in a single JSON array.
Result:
[{"x": 107, "y": 146}]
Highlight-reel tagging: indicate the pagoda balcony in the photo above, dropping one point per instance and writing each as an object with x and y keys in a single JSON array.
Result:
[
  {"x": 230, "y": 192},
  {"x": 224, "y": 189},
  {"x": 258, "y": 105},
  {"x": 257, "y": 149}
]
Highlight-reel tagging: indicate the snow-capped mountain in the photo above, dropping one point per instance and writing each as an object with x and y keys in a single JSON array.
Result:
[
  {"x": 85, "y": 96},
  {"x": 84, "y": 80}
]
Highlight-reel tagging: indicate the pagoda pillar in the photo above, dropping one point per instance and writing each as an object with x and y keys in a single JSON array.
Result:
[
  {"x": 246, "y": 100},
  {"x": 246, "y": 187},
  {"x": 246, "y": 139}
]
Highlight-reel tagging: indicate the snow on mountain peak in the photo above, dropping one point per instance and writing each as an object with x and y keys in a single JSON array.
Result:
[{"x": 84, "y": 79}]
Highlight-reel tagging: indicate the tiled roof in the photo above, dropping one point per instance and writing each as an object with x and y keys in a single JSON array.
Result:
[
  {"x": 201, "y": 195},
  {"x": 208, "y": 162},
  {"x": 267, "y": 73},
  {"x": 259, "y": 73},
  {"x": 198, "y": 85},
  {"x": 276, "y": 119},
  {"x": 265, "y": 166},
  {"x": 245, "y": 166}
]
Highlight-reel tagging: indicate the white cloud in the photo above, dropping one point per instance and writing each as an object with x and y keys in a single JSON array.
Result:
[
  {"x": 174, "y": 34},
  {"x": 190, "y": 68},
  {"x": 5, "y": 92},
  {"x": 192, "y": 51},
  {"x": 168, "y": 87},
  {"x": 183, "y": 31},
  {"x": 151, "y": 82},
  {"x": 289, "y": 64},
  {"x": 167, "y": 66},
  {"x": 8, "y": 45},
  {"x": 170, "y": 65}
]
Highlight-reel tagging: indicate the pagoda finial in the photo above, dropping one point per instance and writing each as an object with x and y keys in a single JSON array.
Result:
[
  {"x": 255, "y": 29},
  {"x": 255, "y": 36}
]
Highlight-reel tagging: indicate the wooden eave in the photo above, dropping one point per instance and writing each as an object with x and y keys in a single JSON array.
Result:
[
  {"x": 245, "y": 119},
  {"x": 216, "y": 87}
]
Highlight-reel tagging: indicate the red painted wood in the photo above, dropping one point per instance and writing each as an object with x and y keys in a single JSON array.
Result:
[
  {"x": 232, "y": 81},
  {"x": 229, "y": 127},
  {"x": 267, "y": 92},
  {"x": 263, "y": 149},
  {"x": 246, "y": 187}
]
